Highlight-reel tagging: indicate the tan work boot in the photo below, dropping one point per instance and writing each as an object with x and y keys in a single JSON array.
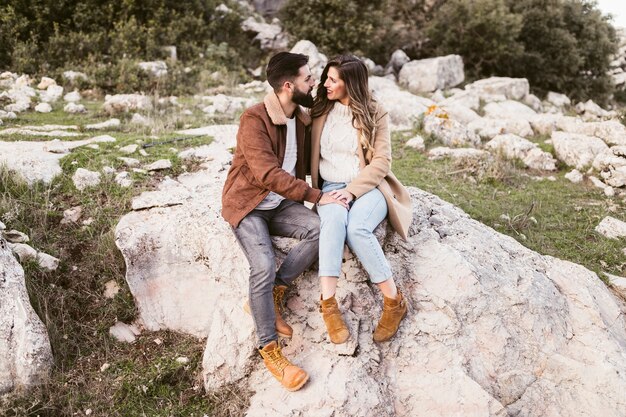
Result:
[
  {"x": 393, "y": 313},
  {"x": 288, "y": 374},
  {"x": 337, "y": 329},
  {"x": 282, "y": 328}
]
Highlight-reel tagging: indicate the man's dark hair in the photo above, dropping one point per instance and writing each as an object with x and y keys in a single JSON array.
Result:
[{"x": 284, "y": 66}]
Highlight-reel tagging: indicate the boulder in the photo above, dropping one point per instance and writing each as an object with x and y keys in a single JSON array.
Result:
[
  {"x": 558, "y": 100},
  {"x": 155, "y": 68},
  {"x": 403, "y": 107},
  {"x": 577, "y": 150},
  {"x": 74, "y": 76},
  {"x": 269, "y": 35},
  {"x": 574, "y": 176},
  {"x": 450, "y": 132},
  {"x": 488, "y": 128},
  {"x": 397, "y": 61},
  {"x": 611, "y": 164},
  {"x": 317, "y": 60},
  {"x": 515, "y": 147},
  {"x": 509, "y": 88},
  {"x": 428, "y": 75},
  {"x": 123, "y": 103},
  {"x": 159, "y": 165},
  {"x": 227, "y": 105},
  {"x": 74, "y": 108},
  {"x": 493, "y": 329},
  {"x": 52, "y": 94},
  {"x": 508, "y": 109},
  {"x": 416, "y": 143},
  {"x": 612, "y": 228},
  {"x": 43, "y": 108},
  {"x": 45, "y": 83},
  {"x": 24, "y": 344},
  {"x": 72, "y": 97}
]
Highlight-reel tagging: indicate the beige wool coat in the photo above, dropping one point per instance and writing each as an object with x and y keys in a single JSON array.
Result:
[{"x": 375, "y": 172}]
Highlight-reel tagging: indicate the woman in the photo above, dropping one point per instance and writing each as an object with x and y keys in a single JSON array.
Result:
[{"x": 351, "y": 160}]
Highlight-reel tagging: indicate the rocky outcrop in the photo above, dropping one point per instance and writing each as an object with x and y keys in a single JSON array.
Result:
[
  {"x": 494, "y": 328},
  {"x": 24, "y": 344},
  {"x": 427, "y": 75}
]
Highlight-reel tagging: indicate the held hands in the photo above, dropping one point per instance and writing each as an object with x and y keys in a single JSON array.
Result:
[
  {"x": 342, "y": 195},
  {"x": 328, "y": 198}
]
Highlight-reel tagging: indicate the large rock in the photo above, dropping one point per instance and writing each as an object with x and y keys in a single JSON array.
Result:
[
  {"x": 156, "y": 68},
  {"x": 52, "y": 94},
  {"x": 317, "y": 60},
  {"x": 403, "y": 107},
  {"x": 427, "y": 75},
  {"x": 488, "y": 128},
  {"x": 509, "y": 88},
  {"x": 515, "y": 147},
  {"x": 269, "y": 35},
  {"x": 450, "y": 132},
  {"x": 39, "y": 161},
  {"x": 494, "y": 328},
  {"x": 123, "y": 103},
  {"x": 509, "y": 109},
  {"x": 24, "y": 344},
  {"x": 611, "y": 164},
  {"x": 611, "y": 132},
  {"x": 577, "y": 150}
]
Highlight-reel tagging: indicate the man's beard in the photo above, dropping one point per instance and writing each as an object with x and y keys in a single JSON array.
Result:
[{"x": 303, "y": 99}]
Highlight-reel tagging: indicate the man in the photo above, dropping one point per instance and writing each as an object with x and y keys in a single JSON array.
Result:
[{"x": 262, "y": 196}]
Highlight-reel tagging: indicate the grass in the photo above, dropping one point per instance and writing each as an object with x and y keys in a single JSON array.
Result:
[{"x": 144, "y": 379}]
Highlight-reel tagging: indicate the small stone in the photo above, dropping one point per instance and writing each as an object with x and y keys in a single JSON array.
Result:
[
  {"x": 130, "y": 162},
  {"x": 122, "y": 332},
  {"x": 84, "y": 178},
  {"x": 140, "y": 120},
  {"x": 574, "y": 176},
  {"x": 93, "y": 146},
  {"x": 45, "y": 83},
  {"x": 2, "y": 226},
  {"x": 612, "y": 228},
  {"x": 72, "y": 215},
  {"x": 88, "y": 221},
  {"x": 109, "y": 124},
  {"x": 107, "y": 170},
  {"x": 609, "y": 191},
  {"x": 416, "y": 142},
  {"x": 14, "y": 236},
  {"x": 72, "y": 97},
  {"x": 160, "y": 164},
  {"x": 104, "y": 367},
  {"x": 129, "y": 149},
  {"x": 111, "y": 288},
  {"x": 104, "y": 139},
  {"x": 47, "y": 262},
  {"x": 143, "y": 152},
  {"x": 158, "y": 341},
  {"x": 23, "y": 251},
  {"x": 88, "y": 412},
  {"x": 43, "y": 108},
  {"x": 74, "y": 108},
  {"x": 182, "y": 359},
  {"x": 597, "y": 182}
]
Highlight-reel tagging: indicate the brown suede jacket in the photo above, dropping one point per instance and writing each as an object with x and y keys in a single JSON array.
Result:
[{"x": 257, "y": 164}]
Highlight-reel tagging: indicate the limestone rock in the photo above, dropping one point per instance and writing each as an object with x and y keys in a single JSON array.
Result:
[
  {"x": 52, "y": 94},
  {"x": 45, "y": 83},
  {"x": 140, "y": 120},
  {"x": 228, "y": 105},
  {"x": 577, "y": 150},
  {"x": 460, "y": 113},
  {"x": 558, "y": 100},
  {"x": 159, "y": 165},
  {"x": 24, "y": 344},
  {"x": 123, "y": 179},
  {"x": 611, "y": 164},
  {"x": 123, "y": 103},
  {"x": 397, "y": 60},
  {"x": 612, "y": 228},
  {"x": 23, "y": 251},
  {"x": 403, "y": 107},
  {"x": 111, "y": 289},
  {"x": 129, "y": 149},
  {"x": 43, "y": 108},
  {"x": 15, "y": 236},
  {"x": 74, "y": 108},
  {"x": 107, "y": 124},
  {"x": 269, "y": 35},
  {"x": 509, "y": 88},
  {"x": 416, "y": 142},
  {"x": 489, "y": 128},
  {"x": 574, "y": 176},
  {"x": 71, "y": 215},
  {"x": 458, "y": 153},
  {"x": 74, "y": 76},
  {"x": 123, "y": 332},
  {"x": 515, "y": 147},
  {"x": 84, "y": 178},
  {"x": 427, "y": 75},
  {"x": 317, "y": 60},
  {"x": 47, "y": 262},
  {"x": 450, "y": 132},
  {"x": 618, "y": 283},
  {"x": 72, "y": 97},
  {"x": 129, "y": 162},
  {"x": 155, "y": 68},
  {"x": 509, "y": 109}
]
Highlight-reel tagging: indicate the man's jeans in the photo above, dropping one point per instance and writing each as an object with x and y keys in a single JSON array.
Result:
[{"x": 289, "y": 219}]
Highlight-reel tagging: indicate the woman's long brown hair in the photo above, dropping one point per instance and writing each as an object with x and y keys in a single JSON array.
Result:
[{"x": 354, "y": 74}]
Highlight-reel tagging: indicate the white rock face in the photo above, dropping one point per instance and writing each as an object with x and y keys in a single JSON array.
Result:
[
  {"x": 450, "y": 132},
  {"x": 493, "y": 329},
  {"x": 591, "y": 110},
  {"x": 159, "y": 165},
  {"x": 618, "y": 283},
  {"x": 611, "y": 164},
  {"x": 317, "y": 60},
  {"x": 43, "y": 108},
  {"x": 270, "y": 36},
  {"x": 74, "y": 108},
  {"x": 509, "y": 109},
  {"x": 123, "y": 103},
  {"x": 509, "y": 88},
  {"x": 403, "y": 107},
  {"x": 612, "y": 228},
  {"x": 611, "y": 132},
  {"x": 24, "y": 344},
  {"x": 39, "y": 161},
  {"x": 460, "y": 113},
  {"x": 52, "y": 94},
  {"x": 558, "y": 100},
  {"x": 515, "y": 147},
  {"x": 577, "y": 150},
  {"x": 428, "y": 75},
  {"x": 84, "y": 178},
  {"x": 156, "y": 68},
  {"x": 489, "y": 128}
]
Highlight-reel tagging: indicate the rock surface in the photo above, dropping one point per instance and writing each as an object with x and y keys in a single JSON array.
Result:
[
  {"x": 427, "y": 75},
  {"x": 494, "y": 329},
  {"x": 24, "y": 344}
]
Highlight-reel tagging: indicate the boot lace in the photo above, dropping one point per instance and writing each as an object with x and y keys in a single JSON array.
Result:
[
  {"x": 279, "y": 293},
  {"x": 276, "y": 357}
]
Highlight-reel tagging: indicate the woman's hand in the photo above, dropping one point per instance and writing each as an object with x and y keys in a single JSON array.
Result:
[{"x": 342, "y": 195}]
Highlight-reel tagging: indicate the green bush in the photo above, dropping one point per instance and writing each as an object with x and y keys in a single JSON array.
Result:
[
  {"x": 106, "y": 38},
  {"x": 558, "y": 45}
]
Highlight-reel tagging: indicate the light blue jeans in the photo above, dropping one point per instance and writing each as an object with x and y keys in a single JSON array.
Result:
[{"x": 354, "y": 226}]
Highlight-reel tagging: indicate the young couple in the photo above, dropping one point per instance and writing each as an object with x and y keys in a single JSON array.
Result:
[{"x": 350, "y": 158}]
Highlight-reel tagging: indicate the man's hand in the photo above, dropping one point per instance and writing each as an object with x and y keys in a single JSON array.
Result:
[
  {"x": 342, "y": 195},
  {"x": 327, "y": 198}
]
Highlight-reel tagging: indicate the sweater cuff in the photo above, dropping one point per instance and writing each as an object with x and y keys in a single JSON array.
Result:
[{"x": 313, "y": 195}]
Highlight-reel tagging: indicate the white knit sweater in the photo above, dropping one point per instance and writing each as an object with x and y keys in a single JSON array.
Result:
[{"x": 339, "y": 161}]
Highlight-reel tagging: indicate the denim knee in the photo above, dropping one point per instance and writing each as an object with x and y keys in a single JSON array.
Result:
[{"x": 262, "y": 273}]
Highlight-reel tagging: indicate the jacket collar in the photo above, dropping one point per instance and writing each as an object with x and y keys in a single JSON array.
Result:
[{"x": 276, "y": 113}]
